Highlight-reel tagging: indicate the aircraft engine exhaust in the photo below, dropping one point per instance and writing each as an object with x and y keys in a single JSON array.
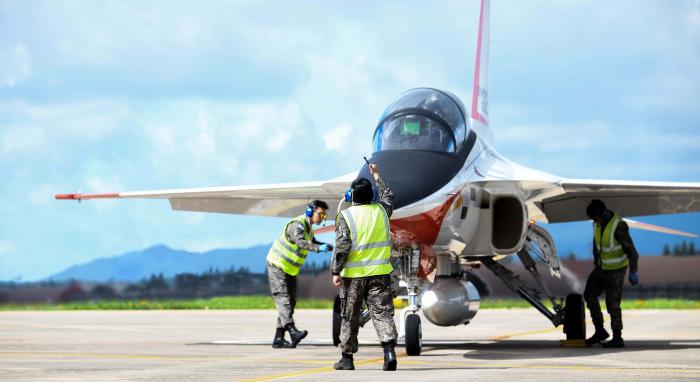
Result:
[{"x": 450, "y": 302}]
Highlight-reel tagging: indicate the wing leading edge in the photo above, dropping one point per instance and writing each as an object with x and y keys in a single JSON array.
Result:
[
  {"x": 565, "y": 200},
  {"x": 553, "y": 199},
  {"x": 283, "y": 200},
  {"x": 627, "y": 198}
]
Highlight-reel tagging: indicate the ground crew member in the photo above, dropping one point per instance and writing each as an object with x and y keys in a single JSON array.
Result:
[
  {"x": 361, "y": 265},
  {"x": 613, "y": 252},
  {"x": 285, "y": 258}
]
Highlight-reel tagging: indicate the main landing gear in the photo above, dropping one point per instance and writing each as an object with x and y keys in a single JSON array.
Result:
[{"x": 539, "y": 243}]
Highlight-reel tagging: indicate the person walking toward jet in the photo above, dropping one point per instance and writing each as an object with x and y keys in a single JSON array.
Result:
[
  {"x": 361, "y": 266},
  {"x": 284, "y": 260},
  {"x": 613, "y": 252}
]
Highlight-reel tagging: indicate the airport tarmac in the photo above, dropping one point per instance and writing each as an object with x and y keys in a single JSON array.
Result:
[{"x": 213, "y": 345}]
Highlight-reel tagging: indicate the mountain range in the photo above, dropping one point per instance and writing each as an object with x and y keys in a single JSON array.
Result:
[{"x": 135, "y": 265}]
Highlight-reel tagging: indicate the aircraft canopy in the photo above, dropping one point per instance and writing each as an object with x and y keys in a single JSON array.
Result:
[{"x": 422, "y": 119}]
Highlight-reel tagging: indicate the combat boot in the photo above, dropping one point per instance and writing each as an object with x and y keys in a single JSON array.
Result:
[
  {"x": 345, "y": 363},
  {"x": 389, "y": 356},
  {"x": 279, "y": 342},
  {"x": 616, "y": 341},
  {"x": 599, "y": 335},
  {"x": 295, "y": 334}
]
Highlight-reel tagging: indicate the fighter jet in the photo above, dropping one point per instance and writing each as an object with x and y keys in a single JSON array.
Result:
[{"x": 458, "y": 204}]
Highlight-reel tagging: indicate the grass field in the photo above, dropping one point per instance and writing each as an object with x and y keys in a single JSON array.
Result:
[{"x": 265, "y": 302}]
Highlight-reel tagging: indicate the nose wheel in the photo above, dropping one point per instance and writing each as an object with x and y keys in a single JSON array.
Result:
[{"x": 413, "y": 335}]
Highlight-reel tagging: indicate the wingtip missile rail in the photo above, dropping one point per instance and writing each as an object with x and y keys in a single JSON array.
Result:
[{"x": 86, "y": 196}]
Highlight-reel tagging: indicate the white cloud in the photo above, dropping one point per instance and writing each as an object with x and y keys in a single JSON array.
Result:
[
  {"x": 204, "y": 139},
  {"x": 101, "y": 185},
  {"x": 692, "y": 17},
  {"x": 76, "y": 121},
  {"x": 15, "y": 66},
  {"x": 170, "y": 105},
  {"x": 23, "y": 141},
  {"x": 336, "y": 139},
  {"x": 43, "y": 194},
  {"x": 548, "y": 138},
  {"x": 190, "y": 32},
  {"x": 162, "y": 137},
  {"x": 278, "y": 140},
  {"x": 6, "y": 246}
]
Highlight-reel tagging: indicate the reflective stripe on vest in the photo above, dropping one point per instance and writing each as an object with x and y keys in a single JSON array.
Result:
[
  {"x": 286, "y": 255},
  {"x": 371, "y": 241},
  {"x": 611, "y": 254}
]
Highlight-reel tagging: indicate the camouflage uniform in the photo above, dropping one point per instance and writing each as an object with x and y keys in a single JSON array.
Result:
[
  {"x": 283, "y": 287},
  {"x": 375, "y": 291},
  {"x": 610, "y": 281}
]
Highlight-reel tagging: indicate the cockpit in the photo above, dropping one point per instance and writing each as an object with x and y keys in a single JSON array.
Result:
[{"x": 422, "y": 119}]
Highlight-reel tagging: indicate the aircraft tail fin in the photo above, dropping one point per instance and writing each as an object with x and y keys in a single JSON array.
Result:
[{"x": 480, "y": 112}]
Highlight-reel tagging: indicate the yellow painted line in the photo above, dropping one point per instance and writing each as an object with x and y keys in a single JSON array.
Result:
[
  {"x": 376, "y": 360},
  {"x": 316, "y": 371},
  {"x": 520, "y": 334},
  {"x": 398, "y": 356}
]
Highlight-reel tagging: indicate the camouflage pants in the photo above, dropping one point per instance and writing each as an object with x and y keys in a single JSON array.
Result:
[
  {"x": 283, "y": 288},
  {"x": 610, "y": 282},
  {"x": 376, "y": 293}
]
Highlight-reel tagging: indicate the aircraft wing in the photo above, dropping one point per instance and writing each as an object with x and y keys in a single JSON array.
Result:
[
  {"x": 627, "y": 198},
  {"x": 283, "y": 200},
  {"x": 553, "y": 199}
]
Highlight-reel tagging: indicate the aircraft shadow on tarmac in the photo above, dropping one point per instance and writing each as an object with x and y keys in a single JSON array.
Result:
[
  {"x": 524, "y": 349},
  {"x": 501, "y": 349}
]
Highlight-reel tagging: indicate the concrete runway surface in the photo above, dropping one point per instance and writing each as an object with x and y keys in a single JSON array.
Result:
[{"x": 208, "y": 345}]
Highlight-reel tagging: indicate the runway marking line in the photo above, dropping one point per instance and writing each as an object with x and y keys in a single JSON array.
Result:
[
  {"x": 520, "y": 334},
  {"x": 316, "y": 371},
  {"x": 403, "y": 355},
  {"x": 375, "y": 360}
]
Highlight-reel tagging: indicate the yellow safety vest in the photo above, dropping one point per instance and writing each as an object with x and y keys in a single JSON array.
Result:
[
  {"x": 371, "y": 241},
  {"x": 286, "y": 255},
  {"x": 611, "y": 254}
]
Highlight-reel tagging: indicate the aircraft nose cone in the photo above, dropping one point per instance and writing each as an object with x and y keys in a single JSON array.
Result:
[{"x": 413, "y": 175}]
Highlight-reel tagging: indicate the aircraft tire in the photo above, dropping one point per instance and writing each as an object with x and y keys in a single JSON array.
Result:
[
  {"x": 414, "y": 335},
  {"x": 574, "y": 317},
  {"x": 336, "y": 321}
]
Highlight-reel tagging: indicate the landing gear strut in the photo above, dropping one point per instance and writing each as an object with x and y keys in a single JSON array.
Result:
[{"x": 539, "y": 243}]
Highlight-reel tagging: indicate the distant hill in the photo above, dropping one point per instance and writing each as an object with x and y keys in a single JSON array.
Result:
[{"x": 134, "y": 266}]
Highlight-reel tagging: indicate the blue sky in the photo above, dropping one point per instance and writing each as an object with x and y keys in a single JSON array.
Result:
[{"x": 116, "y": 96}]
